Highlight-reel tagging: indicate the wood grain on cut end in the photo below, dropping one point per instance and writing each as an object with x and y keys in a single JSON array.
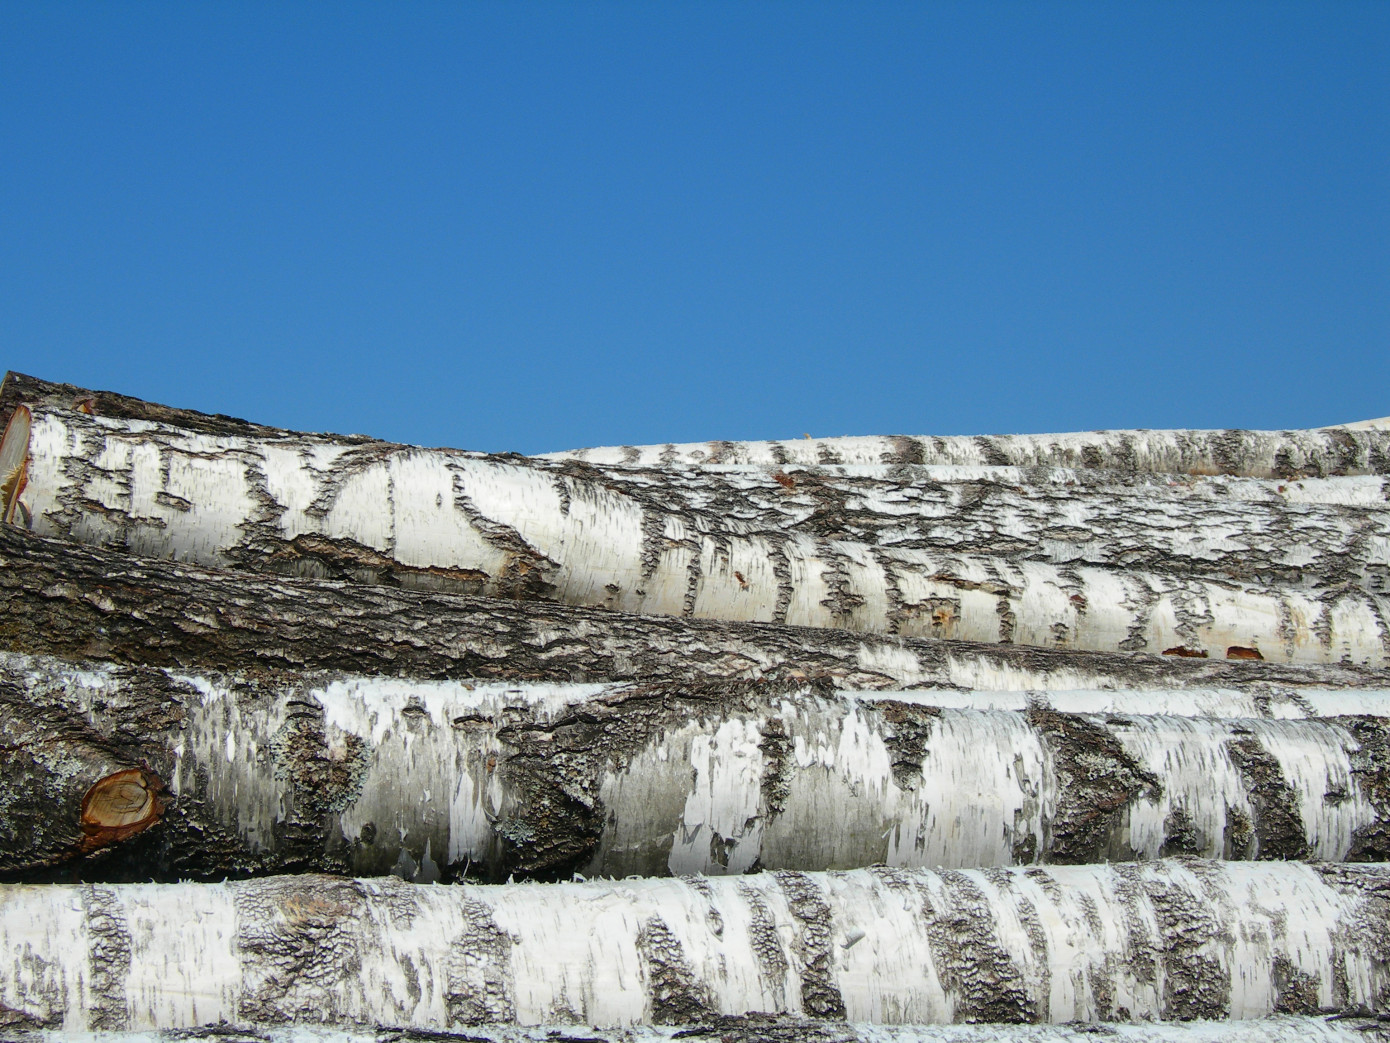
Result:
[
  {"x": 119, "y": 806},
  {"x": 14, "y": 461}
]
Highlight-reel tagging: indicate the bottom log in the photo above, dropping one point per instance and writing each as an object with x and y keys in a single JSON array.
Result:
[
  {"x": 1173, "y": 940},
  {"x": 771, "y": 1028}
]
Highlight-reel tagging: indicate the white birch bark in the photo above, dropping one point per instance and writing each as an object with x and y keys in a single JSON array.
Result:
[
  {"x": 1357, "y": 448},
  {"x": 443, "y": 520},
  {"x": 1171, "y": 940},
  {"x": 1284, "y": 1028},
  {"x": 424, "y": 779}
]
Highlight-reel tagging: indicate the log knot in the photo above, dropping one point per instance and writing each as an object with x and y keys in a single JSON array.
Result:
[{"x": 119, "y": 806}]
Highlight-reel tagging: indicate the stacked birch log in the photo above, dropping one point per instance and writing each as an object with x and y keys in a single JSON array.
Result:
[{"x": 837, "y": 739}]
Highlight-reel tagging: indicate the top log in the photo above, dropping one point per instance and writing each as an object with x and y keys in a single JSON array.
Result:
[
  {"x": 1351, "y": 449},
  {"x": 862, "y": 553}
]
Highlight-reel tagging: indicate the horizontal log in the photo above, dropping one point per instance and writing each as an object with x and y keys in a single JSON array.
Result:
[
  {"x": 1350, "y": 449},
  {"x": 1316, "y": 452},
  {"x": 76, "y": 601},
  {"x": 227, "y": 776},
  {"x": 445, "y": 520},
  {"x": 1173, "y": 940},
  {"x": 774, "y": 1028}
]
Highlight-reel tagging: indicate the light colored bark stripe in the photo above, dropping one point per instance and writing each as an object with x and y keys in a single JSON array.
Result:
[
  {"x": 1355, "y": 449},
  {"x": 426, "y": 779},
  {"x": 471, "y": 525},
  {"x": 1171, "y": 940}
]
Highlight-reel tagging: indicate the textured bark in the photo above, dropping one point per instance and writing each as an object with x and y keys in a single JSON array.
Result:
[
  {"x": 1361, "y": 448},
  {"x": 774, "y": 1028},
  {"x": 1171, "y": 940},
  {"x": 1356, "y": 448},
  {"x": 453, "y": 521},
  {"x": 430, "y": 780},
  {"x": 77, "y": 601}
]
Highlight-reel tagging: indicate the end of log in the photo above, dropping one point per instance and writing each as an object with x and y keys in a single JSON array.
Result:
[
  {"x": 14, "y": 462},
  {"x": 119, "y": 806}
]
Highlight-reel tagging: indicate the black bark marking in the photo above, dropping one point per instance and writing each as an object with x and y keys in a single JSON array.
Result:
[
  {"x": 820, "y": 996},
  {"x": 1364, "y": 932},
  {"x": 1194, "y": 984},
  {"x": 479, "y": 989},
  {"x": 1181, "y": 835},
  {"x": 766, "y": 944},
  {"x": 971, "y": 963},
  {"x": 677, "y": 995},
  {"x": 1295, "y": 992},
  {"x": 1097, "y": 780},
  {"x": 1370, "y": 768},
  {"x": 907, "y": 742},
  {"x": 108, "y": 959},
  {"x": 776, "y": 748},
  {"x": 1278, "y": 824}
]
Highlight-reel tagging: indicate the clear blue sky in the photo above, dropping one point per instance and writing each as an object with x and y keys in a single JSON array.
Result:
[{"x": 539, "y": 226}]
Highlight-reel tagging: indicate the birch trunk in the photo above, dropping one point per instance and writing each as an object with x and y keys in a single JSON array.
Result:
[
  {"x": 1305, "y": 531},
  {"x": 1359, "y": 448},
  {"x": 771, "y": 1028},
  {"x": 1125, "y": 942},
  {"x": 460, "y": 522},
  {"x": 77, "y": 601},
  {"x": 428, "y": 779}
]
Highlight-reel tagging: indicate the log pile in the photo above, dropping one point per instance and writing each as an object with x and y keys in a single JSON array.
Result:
[{"x": 312, "y": 737}]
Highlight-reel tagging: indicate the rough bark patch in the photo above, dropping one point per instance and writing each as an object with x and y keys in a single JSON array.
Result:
[
  {"x": 819, "y": 994},
  {"x": 324, "y": 778},
  {"x": 766, "y": 944},
  {"x": 479, "y": 991},
  {"x": 1278, "y": 824},
  {"x": 1370, "y": 766},
  {"x": 108, "y": 959},
  {"x": 1194, "y": 984},
  {"x": 971, "y": 964},
  {"x": 912, "y": 727},
  {"x": 297, "y": 937},
  {"x": 1096, "y": 780},
  {"x": 677, "y": 995}
]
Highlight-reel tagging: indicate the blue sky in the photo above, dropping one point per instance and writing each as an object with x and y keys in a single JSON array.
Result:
[{"x": 513, "y": 226}]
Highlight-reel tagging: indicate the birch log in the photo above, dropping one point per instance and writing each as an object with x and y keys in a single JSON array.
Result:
[
  {"x": 1358, "y": 448},
  {"x": 1313, "y": 531},
  {"x": 77, "y": 601},
  {"x": 770, "y": 1028},
  {"x": 1173, "y": 940},
  {"x": 428, "y": 779},
  {"x": 1361, "y": 447},
  {"x": 461, "y": 522}
]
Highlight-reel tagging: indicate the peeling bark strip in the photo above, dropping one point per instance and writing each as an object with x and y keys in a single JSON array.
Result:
[
  {"x": 432, "y": 780},
  {"x": 76, "y": 601},
  {"x": 783, "y": 1028},
  {"x": 1317, "y": 452},
  {"x": 509, "y": 527},
  {"x": 350, "y": 952}
]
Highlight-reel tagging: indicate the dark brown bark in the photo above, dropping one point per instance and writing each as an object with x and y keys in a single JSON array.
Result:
[{"x": 76, "y": 601}]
